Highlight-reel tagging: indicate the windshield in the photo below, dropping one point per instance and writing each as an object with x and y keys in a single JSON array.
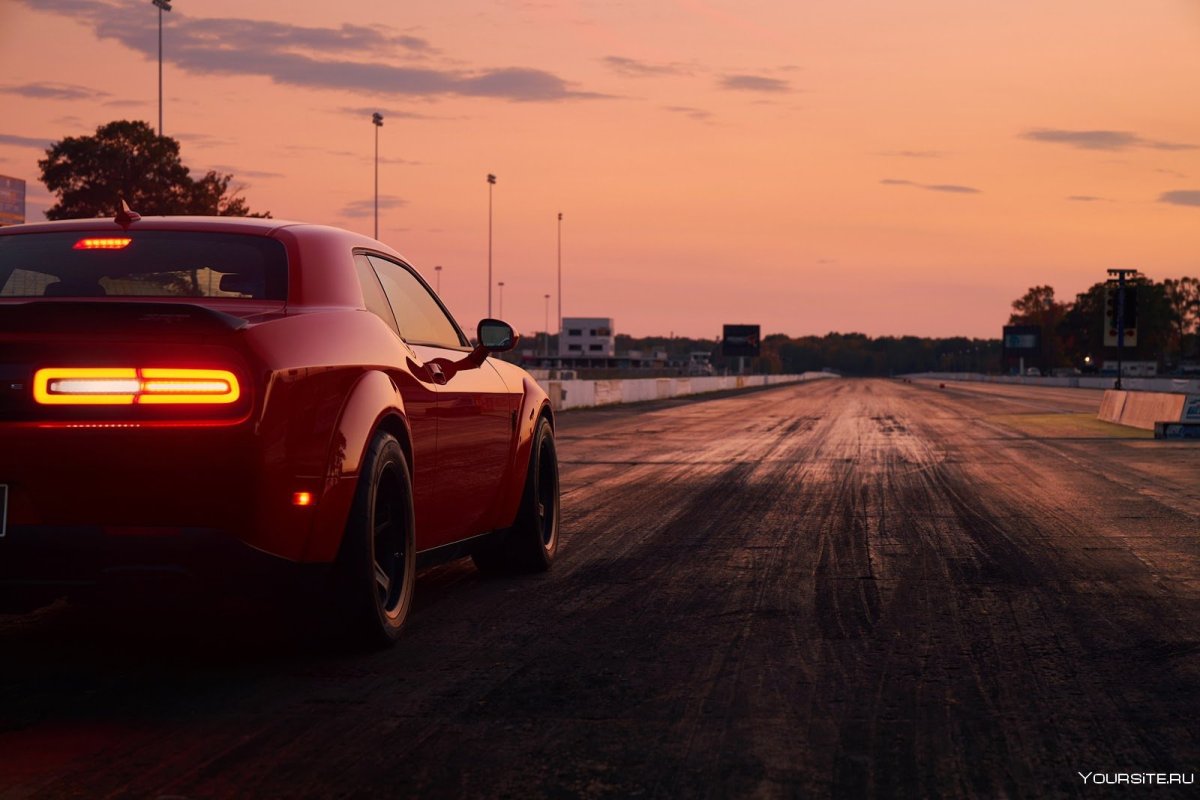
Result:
[{"x": 143, "y": 264}]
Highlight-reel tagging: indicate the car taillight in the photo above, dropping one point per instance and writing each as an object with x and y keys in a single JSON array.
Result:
[{"x": 134, "y": 386}]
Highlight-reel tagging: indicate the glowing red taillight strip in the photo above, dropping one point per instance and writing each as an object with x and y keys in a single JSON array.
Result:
[
  {"x": 128, "y": 386},
  {"x": 103, "y": 243}
]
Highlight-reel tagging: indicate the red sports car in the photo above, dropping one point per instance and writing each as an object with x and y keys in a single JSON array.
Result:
[{"x": 178, "y": 392}]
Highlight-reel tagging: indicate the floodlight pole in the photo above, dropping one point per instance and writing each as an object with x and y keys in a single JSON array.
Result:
[
  {"x": 377, "y": 121},
  {"x": 1120, "y": 273},
  {"x": 438, "y": 272},
  {"x": 560, "y": 316},
  {"x": 491, "y": 179},
  {"x": 162, "y": 5},
  {"x": 547, "y": 326}
]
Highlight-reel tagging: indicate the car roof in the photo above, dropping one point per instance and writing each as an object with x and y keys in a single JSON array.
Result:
[
  {"x": 318, "y": 284},
  {"x": 244, "y": 225}
]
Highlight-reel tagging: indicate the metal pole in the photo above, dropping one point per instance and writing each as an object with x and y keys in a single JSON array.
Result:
[
  {"x": 438, "y": 272},
  {"x": 162, "y": 5},
  {"x": 160, "y": 103},
  {"x": 377, "y": 121},
  {"x": 376, "y": 181},
  {"x": 547, "y": 326},
  {"x": 1120, "y": 322},
  {"x": 560, "y": 316},
  {"x": 501, "y": 309},
  {"x": 491, "y": 179}
]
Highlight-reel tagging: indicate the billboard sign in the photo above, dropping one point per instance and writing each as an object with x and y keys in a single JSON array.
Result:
[
  {"x": 740, "y": 340},
  {"x": 12, "y": 200},
  {"x": 1022, "y": 340}
]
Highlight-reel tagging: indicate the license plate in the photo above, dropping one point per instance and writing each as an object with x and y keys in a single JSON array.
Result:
[{"x": 3, "y": 509}]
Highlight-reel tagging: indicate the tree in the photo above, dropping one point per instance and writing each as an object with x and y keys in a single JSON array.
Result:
[
  {"x": 1038, "y": 307},
  {"x": 127, "y": 160},
  {"x": 1183, "y": 300},
  {"x": 1081, "y": 328}
]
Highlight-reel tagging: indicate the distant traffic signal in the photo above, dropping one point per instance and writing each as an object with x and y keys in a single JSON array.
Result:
[{"x": 1111, "y": 293}]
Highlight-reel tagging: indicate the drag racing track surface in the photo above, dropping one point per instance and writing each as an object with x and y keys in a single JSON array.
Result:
[{"x": 850, "y": 588}]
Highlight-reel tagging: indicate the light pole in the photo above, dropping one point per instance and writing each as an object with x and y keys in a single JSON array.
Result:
[
  {"x": 560, "y": 324},
  {"x": 438, "y": 272},
  {"x": 377, "y": 120},
  {"x": 491, "y": 179},
  {"x": 501, "y": 285},
  {"x": 547, "y": 326},
  {"x": 163, "y": 5}
]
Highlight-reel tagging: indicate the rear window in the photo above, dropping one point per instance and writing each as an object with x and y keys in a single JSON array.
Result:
[{"x": 143, "y": 264}]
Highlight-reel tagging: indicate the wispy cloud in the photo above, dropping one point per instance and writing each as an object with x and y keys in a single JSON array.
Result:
[
  {"x": 913, "y": 153},
  {"x": 54, "y": 91},
  {"x": 304, "y": 151},
  {"x": 204, "y": 140},
  {"x": 245, "y": 173},
  {"x": 952, "y": 188},
  {"x": 353, "y": 57},
  {"x": 1101, "y": 140},
  {"x": 24, "y": 141},
  {"x": 698, "y": 114},
  {"x": 632, "y": 68},
  {"x": 754, "y": 83},
  {"x": 365, "y": 208},
  {"x": 1187, "y": 197},
  {"x": 1087, "y": 198},
  {"x": 949, "y": 188}
]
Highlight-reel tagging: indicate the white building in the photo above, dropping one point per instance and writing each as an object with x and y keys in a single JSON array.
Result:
[{"x": 584, "y": 337}]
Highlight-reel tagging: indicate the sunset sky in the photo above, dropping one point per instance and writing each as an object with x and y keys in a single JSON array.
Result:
[{"x": 862, "y": 165}]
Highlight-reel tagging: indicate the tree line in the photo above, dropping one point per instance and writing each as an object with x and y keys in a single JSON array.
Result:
[
  {"x": 1167, "y": 314},
  {"x": 844, "y": 353}
]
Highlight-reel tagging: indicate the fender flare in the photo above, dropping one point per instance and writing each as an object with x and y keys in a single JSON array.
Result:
[
  {"x": 535, "y": 404},
  {"x": 372, "y": 403}
]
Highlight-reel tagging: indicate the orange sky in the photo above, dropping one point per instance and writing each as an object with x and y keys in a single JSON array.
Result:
[{"x": 864, "y": 165}]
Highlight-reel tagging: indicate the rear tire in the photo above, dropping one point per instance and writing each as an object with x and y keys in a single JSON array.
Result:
[
  {"x": 532, "y": 542},
  {"x": 376, "y": 567}
]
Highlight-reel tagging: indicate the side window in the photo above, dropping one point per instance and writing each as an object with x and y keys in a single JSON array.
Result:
[
  {"x": 419, "y": 315},
  {"x": 373, "y": 296}
]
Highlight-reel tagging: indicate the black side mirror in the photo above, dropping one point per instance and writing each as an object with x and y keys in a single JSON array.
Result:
[{"x": 496, "y": 336}]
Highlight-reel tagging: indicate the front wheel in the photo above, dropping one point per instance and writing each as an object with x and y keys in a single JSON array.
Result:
[
  {"x": 376, "y": 567},
  {"x": 532, "y": 542}
]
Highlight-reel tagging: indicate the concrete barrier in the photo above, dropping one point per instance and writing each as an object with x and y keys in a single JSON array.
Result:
[
  {"x": 583, "y": 393},
  {"x": 1165, "y": 384},
  {"x": 1144, "y": 409}
]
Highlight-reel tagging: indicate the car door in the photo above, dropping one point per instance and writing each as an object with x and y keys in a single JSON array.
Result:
[
  {"x": 420, "y": 401},
  {"x": 475, "y": 411}
]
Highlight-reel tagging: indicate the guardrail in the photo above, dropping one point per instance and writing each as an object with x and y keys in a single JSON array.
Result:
[{"x": 587, "y": 393}]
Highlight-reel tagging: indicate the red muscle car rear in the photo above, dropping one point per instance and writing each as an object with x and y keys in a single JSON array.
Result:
[{"x": 178, "y": 393}]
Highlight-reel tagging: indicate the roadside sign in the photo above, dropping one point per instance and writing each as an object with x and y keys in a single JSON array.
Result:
[
  {"x": 740, "y": 340},
  {"x": 12, "y": 201}
]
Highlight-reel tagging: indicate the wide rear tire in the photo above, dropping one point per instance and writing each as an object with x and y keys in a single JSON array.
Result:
[{"x": 376, "y": 569}]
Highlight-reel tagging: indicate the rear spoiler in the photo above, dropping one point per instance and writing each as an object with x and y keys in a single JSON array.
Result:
[{"x": 84, "y": 317}]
